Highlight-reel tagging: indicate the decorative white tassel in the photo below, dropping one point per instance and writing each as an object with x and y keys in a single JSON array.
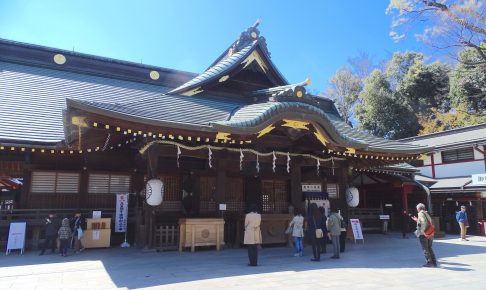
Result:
[
  {"x": 210, "y": 156},
  {"x": 258, "y": 164},
  {"x": 318, "y": 165},
  {"x": 274, "y": 160},
  {"x": 178, "y": 155},
  {"x": 241, "y": 159},
  {"x": 332, "y": 160},
  {"x": 288, "y": 162}
]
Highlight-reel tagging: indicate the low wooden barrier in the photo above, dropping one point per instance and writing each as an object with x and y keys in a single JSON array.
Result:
[{"x": 166, "y": 237}]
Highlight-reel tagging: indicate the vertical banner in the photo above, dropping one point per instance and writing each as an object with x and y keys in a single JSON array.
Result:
[
  {"x": 356, "y": 227},
  {"x": 121, "y": 214}
]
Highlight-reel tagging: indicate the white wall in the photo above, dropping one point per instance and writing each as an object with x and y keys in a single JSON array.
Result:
[
  {"x": 458, "y": 169},
  {"x": 477, "y": 154},
  {"x": 426, "y": 171},
  {"x": 437, "y": 157}
]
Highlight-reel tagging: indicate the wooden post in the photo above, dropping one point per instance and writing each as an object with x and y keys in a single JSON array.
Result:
[
  {"x": 221, "y": 179},
  {"x": 193, "y": 238},
  {"x": 296, "y": 183},
  {"x": 218, "y": 243},
  {"x": 83, "y": 189},
  {"x": 27, "y": 175}
]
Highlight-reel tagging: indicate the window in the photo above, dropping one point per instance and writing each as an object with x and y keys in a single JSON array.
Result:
[
  {"x": 458, "y": 155},
  {"x": 54, "y": 182},
  {"x": 108, "y": 183},
  {"x": 275, "y": 196},
  {"x": 333, "y": 190}
]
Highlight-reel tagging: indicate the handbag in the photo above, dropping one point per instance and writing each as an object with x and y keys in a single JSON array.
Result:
[
  {"x": 289, "y": 229},
  {"x": 319, "y": 232},
  {"x": 80, "y": 233},
  {"x": 430, "y": 231}
]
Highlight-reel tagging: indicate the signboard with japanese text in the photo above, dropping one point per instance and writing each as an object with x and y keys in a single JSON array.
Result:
[
  {"x": 311, "y": 187},
  {"x": 479, "y": 179},
  {"x": 121, "y": 215},
  {"x": 16, "y": 237},
  {"x": 356, "y": 227}
]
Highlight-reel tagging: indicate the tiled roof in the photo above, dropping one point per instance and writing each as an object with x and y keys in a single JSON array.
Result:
[
  {"x": 259, "y": 115},
  {"x": 451, "y": 138},
  {"x": 225, "y": 65},
  {"x": 165, "y": 110},
  {"x": 32, "y": 99}
]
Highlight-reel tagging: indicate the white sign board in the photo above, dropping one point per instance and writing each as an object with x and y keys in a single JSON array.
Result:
[
  {"x": 96, "y": 214},
  {"x": 479, "y": 179},
  {"x": 96, "y": 235},
  {"x": 356, "y": 227},
  {"x": 16, "y": 237},
  {"x": 384, "y": 217},
  {"x": 121, "y": 215},
  {"x": 311, "y": 187},
  {"x": 222, "y": 206}
]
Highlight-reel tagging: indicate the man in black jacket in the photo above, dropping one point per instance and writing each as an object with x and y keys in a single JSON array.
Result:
[{"x": 50, "y": 233}]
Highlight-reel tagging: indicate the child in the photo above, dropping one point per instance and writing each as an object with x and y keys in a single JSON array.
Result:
[{"x": 65, "y": 234}]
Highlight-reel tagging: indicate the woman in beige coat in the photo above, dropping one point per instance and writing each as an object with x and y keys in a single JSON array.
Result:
[
  {"x": 253, "y": 235},
  {"x": 297, "y": 226}
]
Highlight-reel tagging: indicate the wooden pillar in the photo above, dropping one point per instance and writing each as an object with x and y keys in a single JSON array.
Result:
[
  {"x": 27, "y": 175},
  {"x": 343, "y": 181},
  {"x": 83, "y": 189},
  {"x": 406, "y": 189},
  {"x": 152, "y": 171},
  {"x": 221, "y": 179},
  {"x": 296, "y": 183}
]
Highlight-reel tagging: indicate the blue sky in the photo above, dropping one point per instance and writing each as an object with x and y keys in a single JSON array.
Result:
[{"x": 305, "y": 38}]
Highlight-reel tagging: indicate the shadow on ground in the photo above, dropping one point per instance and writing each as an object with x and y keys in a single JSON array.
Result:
[{"x": 133, "y": 268}]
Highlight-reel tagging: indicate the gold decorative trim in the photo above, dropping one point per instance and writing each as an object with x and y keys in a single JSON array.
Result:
[
  {"x": 223, "y": 136},
  {"x": 321, "y": 137},
  {"x": 59, "y": 59},
  {"x": 193, "y": 92},
  {"x": 154, "y": 75},
  {"x": 224, "y": 78},
  {"x": 295, "y": 124},
  {"x": 266, "y": 130},
  {"x": 350, "y": 150},
  {"x": 255, "y": 56},
  {"x": 299, "y": 94},
  {"x": 79, "y": 121}
]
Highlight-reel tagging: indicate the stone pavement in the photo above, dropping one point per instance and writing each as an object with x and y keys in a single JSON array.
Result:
[{"x": 382, "y": 262}]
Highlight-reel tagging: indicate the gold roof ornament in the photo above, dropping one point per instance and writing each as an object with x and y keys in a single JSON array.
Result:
[
  {"x": 193, "y": 92},
  {"x": 266, "y": 130},
  {"x": 59, "y": 59},
  {"x": 295, "y": 124},
  {"x": 255, "y": 56},
  {"x": 321, "y": 137},
  {"x": 154, "y": 75},
  {"x": 223, "y": 136}
]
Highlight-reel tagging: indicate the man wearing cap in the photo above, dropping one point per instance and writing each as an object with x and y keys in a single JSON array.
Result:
[
  {"x": 424, "y": 221},
  {"x": 461, "y": 217}
]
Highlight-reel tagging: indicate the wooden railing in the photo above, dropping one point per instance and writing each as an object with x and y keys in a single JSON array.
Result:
[
  {"x": 166, "y": 237},
  {"x": 369, "y": 218}
]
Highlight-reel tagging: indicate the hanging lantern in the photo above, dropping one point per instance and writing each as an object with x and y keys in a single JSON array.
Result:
[
  {"x": 352, "y": 196},
  {"x": 154, "y": 192}
]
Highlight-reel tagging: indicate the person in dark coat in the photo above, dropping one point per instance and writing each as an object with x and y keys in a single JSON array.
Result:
[
  {"x": 78, "y": 224},
  {"x": 315, "y": 222},
  {"x": 342, "y": 236},
  {"x": 405, "y": 224},
  {"x": 50, "y": 233},
  {"x": 324, "y": 240}
]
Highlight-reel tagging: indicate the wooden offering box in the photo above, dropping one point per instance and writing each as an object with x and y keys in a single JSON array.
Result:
[
  {"x": 201, "y": 232},
  {"x": 98, "y": 233}
]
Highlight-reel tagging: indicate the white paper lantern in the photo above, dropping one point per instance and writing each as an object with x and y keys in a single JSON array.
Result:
[
  {"x": 352, "y": 196},
  {"x": 154, "y": 192}
]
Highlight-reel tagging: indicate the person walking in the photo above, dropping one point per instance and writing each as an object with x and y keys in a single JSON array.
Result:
[
  {"x": 78, "y": 225},
  {"x": 315, "y": 225},
  {"x": 405, "y": 224},
  {"x": 65, "y": 235},
  {"x": 461, "y": 217},
  {"x": 296, "y": 227},
  {"x": 50, "y": 232},
  {"x": 342, "y": 236},
  {"x": 334, "y": 228},
  {"x": 253, "y": 235},
  {"x": 424, "y": 221},
  {"x": 324, "y": 230}
]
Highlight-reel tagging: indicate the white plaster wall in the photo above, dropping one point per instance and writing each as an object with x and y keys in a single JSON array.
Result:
[
  {"x": 478, "y": 155},
  {"x": 437, "y": 158},
  {"x": 459, "y": 169},
  {"x": 428, "y": 161},
  {"x": 426, "y": 171}
]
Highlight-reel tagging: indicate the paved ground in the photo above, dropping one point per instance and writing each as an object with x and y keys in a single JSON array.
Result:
[{"x": 383, "y": 262}]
